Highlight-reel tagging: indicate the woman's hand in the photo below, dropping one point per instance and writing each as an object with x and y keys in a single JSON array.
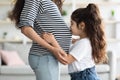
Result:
[
  {"x": 60, "y": 55},
  {"x": 57, "y": 51},
  {"x": 49, "y": 37}
]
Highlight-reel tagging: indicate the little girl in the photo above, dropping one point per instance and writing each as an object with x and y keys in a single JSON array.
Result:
[{"x": 89, "y": 49}]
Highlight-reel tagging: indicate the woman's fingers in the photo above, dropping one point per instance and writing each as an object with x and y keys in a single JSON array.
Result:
[
  {"x": 47, "y": 34},
  {"x": 44, "y": 35},
  {"x": 59, "y": 57},
  {"x": 63, "y": 53},
  {"x": 62, "y": 60}
]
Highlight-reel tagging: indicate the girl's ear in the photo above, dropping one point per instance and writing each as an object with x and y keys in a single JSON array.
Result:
[{"x": 82, "y": 25}]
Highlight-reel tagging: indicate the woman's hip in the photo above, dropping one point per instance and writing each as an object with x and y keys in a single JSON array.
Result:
[
  {"x": 46, "y": 67},
  {"x": 36, "y": 61}
]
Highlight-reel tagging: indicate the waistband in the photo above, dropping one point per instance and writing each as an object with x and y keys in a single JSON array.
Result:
[
  {"x": 40, "y": 54},
  {"x": 83, "y": 73}
]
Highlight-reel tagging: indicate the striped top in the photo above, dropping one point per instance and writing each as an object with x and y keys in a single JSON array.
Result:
[{"x": 44, "y": 16}]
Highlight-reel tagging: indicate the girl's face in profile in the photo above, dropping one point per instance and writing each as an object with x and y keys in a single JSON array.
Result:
[{"x": 74, "y": 29}]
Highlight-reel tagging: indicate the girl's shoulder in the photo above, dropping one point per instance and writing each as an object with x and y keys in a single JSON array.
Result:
[{"x": 83, "y": 40}]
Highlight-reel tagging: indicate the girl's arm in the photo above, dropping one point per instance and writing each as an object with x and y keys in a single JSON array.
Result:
[
  {"x": 48, "y": 37},
  {"x": 30, "y": 33}
]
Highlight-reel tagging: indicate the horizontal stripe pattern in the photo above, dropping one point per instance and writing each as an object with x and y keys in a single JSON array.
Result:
[{"x": 44, "y": 16}]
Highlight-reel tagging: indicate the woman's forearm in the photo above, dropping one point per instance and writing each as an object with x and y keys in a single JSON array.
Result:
[{"x": 30, "y": 33}]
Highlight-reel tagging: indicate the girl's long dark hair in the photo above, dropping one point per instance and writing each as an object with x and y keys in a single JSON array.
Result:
[
  {"x": 14, "y": 15},
  {"x": 94, "y": 30}
]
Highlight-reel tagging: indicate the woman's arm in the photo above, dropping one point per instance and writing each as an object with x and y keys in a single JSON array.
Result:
[
  {"x": 30, "y": 33},
  {"x": 48, "y": 37}
]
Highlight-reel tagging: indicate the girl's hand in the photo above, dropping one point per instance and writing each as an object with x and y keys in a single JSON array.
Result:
[{"x": 74, "y": 40}]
